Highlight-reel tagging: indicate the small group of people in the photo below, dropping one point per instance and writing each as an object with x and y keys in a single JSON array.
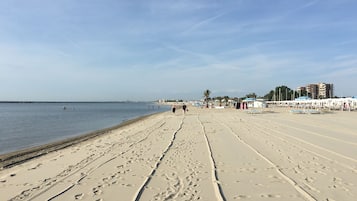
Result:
[{"x": 184, "y": 108}]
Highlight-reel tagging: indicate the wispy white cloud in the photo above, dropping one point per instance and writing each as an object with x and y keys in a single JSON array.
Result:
[
  {"x": 203, "y": 57},
  {"x": 202, "y": 23},
  {"x": 309, "y": 4}
]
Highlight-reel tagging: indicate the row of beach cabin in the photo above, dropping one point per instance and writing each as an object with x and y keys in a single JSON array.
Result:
[{"x": 345, "y": 104}]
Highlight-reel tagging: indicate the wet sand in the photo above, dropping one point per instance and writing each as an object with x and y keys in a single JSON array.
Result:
[{"x": 206, "y": 154}]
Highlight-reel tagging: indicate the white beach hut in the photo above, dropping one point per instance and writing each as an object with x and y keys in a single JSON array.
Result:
[{"x": 255, "y": 103}]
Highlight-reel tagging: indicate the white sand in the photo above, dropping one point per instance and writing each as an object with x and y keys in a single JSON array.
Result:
[{"x": 207, "y": 154}]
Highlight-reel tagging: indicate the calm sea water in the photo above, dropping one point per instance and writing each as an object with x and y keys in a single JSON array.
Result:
[{"x": 24, "y": 125}]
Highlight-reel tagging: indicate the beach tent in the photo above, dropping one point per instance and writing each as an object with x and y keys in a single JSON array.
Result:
[
  {"x": 302, "y": 98},
  {"x": 255, "y": 103}
]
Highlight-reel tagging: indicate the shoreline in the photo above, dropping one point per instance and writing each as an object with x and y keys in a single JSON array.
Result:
[{"x": 17, "y": 157}]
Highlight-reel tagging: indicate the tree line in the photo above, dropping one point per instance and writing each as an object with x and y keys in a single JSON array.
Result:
[{"x": 280, "y": 93}]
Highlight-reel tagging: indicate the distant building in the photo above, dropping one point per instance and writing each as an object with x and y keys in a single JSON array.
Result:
[
  {"x": 301, "y": 91},
  {"x": 317, "y": 91},
  {"x": 325, "y": 90},
  {"x": 313, "y": 90}
]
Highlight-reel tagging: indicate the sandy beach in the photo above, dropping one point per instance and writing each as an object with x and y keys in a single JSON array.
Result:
[{"x": 206, "y": 154}]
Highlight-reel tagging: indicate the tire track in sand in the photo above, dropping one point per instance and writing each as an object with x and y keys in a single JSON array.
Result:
[
  {"x": 147, "y": 181},
  {"x": 217, "y": 186},
  {"x": 103, "y": 163},
  {"x": 50, "y": 183},
  {"x": 322, "y": 174},
  {"x": 344, "y": 165},
  {"x": 291, "y": 181}
]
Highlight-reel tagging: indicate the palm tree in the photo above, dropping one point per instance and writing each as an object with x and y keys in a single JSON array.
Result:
[
  {"x": 206, "y": 94},
  {"x": 226, "y": 98}
]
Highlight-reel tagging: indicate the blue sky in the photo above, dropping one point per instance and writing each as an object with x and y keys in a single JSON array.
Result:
[{"x": 112, "y": 50}]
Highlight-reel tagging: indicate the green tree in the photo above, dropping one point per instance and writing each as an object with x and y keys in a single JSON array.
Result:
[
  {"x": 251, "y": 95},
  {"x": 206, "y": 94},
  {"x": 269, "y": 96},
  {"x": 281, "y": 93}
]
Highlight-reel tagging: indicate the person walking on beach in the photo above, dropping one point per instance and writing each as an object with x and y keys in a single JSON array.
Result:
[
  {"x": 184, "y": 108},
  {"x": 173, "y": 109}
]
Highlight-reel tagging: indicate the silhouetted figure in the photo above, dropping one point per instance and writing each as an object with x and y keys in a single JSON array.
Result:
[
  {"x": 184, "y": 107},
  {"x": 173, "y": 109}
]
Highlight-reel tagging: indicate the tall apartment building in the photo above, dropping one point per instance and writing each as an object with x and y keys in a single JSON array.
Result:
[
  {"x": 320, "y": 90},
  {"x": 313, "y": 90},
  {"x": 325, "y": 90},
  {"x": 300, "y": 89}
]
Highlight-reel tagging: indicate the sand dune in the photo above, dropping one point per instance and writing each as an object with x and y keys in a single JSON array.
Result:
[{"x": 206, "y": 154}]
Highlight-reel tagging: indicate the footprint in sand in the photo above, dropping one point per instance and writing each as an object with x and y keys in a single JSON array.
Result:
[
  {"x": 97, "y": 191},
  {"x": 35, "y": 167},
  {"x": 239, "y": 197},
  {"x": 79, "y": 196},
  {"x": 273, "y": 177},
  {"x": 270, "y": 196}
]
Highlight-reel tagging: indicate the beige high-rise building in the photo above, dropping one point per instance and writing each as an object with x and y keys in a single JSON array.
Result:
[
  {"x": 301, "y": 89},
  {"x": 325, "y": 90}
]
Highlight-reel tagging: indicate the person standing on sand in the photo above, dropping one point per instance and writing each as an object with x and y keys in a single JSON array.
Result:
[
  {"x": 173, "y": 109},
  {"x": 184, "y": 108}
]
